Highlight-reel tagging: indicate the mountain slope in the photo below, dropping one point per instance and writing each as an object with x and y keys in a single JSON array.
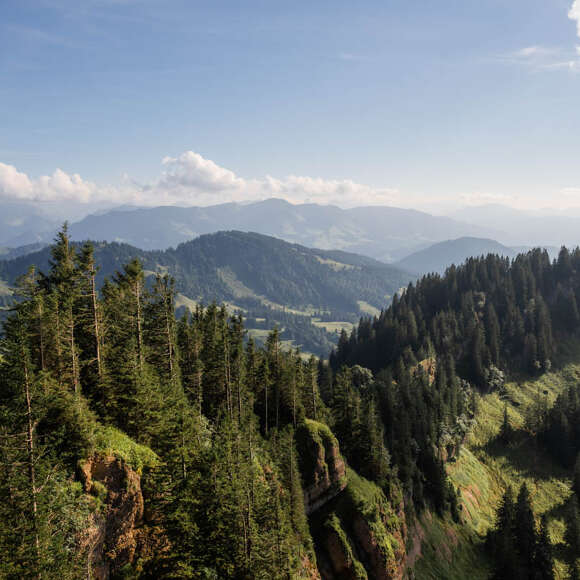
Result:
[
  {"x": 381, "y": 232},
  {"x": 438, "y": 257},
  {"x": 303, "y": 290},
  {"x": 486, "y": 466}
]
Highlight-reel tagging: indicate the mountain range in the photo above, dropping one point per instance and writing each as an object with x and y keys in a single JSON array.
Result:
[{"x": 384, "y": 233}]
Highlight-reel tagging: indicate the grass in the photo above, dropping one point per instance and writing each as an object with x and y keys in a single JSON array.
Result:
[
  {"x": 182, "y": 300},
  {"x": 449, "y": 551},
  {"x": 486, "y": 466},
  {"x": 334, "y": 265},
  {"x": 361, "y": 501},
  {"x": 367, "y": 308},
  {"x": 111, "y": 441},
  {"x": 333, "y": 326}
]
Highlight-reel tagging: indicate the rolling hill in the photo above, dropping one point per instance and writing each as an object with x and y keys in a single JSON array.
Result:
[{"x": 310, "y": 293}]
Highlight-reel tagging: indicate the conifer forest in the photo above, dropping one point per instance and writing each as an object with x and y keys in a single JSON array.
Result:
[{"x": 138, "y": 444}]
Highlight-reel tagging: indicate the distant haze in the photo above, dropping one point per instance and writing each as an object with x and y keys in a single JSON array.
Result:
[{"x": 385, "y": 233}]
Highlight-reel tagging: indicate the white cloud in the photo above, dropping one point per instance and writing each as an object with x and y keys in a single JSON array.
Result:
[
  {"x": 191, "y": 170},
  {"x": 544, "y": 58},
  {"x": 574, "y": 14},
  {"x": 190, "y": 179},
  {"x": 13, "y": 183},
  {"x": 540, "y": 58},
  {"x": 59, "y": 186},
  {"x": 533, "y": 52}
]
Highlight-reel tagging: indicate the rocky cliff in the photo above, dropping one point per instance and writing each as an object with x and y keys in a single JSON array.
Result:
[
  {"x": 322, "y": 467},
  {"x": 359, "y": 534},
  {"x": 113, "y": 536},
  {"x": 118, "y": 536}
]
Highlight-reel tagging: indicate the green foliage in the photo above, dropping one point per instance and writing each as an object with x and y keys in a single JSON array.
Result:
[
  {"x": 85, "y": 374},
  {"x": 111, "y": 441}
]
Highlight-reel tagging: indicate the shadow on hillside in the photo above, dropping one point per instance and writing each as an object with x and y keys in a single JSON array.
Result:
[
  {"x": 522, "y": 452},
  {"x": 561, "y": 552},
  {"x": 559, "y": 510}
]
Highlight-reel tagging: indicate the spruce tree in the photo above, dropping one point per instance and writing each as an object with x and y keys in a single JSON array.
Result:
[{"x": 544, "y": 559}]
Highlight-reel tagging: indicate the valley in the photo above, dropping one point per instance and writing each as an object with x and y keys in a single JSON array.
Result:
[{"x": 310, "y": 294}]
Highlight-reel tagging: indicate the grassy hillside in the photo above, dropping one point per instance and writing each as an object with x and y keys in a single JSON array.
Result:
[
  {"x": 485, "y": 467},
  {"x": 310, "y": 294}
]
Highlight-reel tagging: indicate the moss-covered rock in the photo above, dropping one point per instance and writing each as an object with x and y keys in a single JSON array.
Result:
[
  {"x": 321, "y": 465},
  {"x": 359, "y": 534}
]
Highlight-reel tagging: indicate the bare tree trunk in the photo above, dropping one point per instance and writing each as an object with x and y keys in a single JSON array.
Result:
[
  {"x": 227, "y": 373},
  {"x": 139, "y": 325},
  {"x": 314, "y": 385},
  {"x": 41, "y": 336},
  {"x": 58, "y": 345},
  {"x": 277, "y": 385},
  {"x": 74, "y": 361},
  {"x": 31, "y": 459},
  {"x": 294, "y": 400},
  {"x": 266, "y": 397},
  {"x": 96, "y": 324}
]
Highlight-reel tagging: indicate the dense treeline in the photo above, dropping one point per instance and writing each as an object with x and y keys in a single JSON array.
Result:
[
  {"x": 518, "y": 548},
  {"x": 482, "y": 319},
  {"x": 560, "y": 427},
  {"x": 79, "y": 366},
  {"x": 89, "y": 365},
  {"x": 489, "y": 312},
  {"x": 400, "y": 432},
  {"x": 260, "y": 275}
]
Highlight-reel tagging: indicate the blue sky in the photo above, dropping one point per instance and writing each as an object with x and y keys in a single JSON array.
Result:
[{"x": 414, "y": 103}]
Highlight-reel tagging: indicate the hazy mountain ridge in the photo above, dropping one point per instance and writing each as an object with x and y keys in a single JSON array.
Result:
[
  {"x": 521, "y": 227},
  {"x": 384, "y": 233},
  {"x": 438, "y": 257}
]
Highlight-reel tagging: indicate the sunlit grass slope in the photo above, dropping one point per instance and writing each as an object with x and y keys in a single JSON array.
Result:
[{"x": 486, "y": 466}]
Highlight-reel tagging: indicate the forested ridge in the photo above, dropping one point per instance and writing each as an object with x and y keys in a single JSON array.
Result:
[
  {"x": 484, "y": 321},
  {"x": 269, "y": 280},
  {"x": 134, "y": 444}
]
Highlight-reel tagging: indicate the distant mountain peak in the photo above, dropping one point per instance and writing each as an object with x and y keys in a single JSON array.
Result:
[{"x": 438, "y": 257}]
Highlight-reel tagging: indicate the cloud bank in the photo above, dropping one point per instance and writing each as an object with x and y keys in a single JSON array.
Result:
[{"x": 190, "y": 179}]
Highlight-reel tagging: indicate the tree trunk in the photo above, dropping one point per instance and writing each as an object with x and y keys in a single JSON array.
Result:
[
  {"x": 31, "y": 460},
  {"x": 96, "y": 324}
]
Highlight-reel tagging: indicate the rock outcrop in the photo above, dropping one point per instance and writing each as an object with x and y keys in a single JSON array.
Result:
[
  {"x": 359, "y": 535},
  {"x": 322, "y": 467},
  {"x": 115, "y": 535}
]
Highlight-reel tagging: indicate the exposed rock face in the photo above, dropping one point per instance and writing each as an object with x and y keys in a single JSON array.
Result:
[
  {"x": 113, "y": 536},
  {"x": 359, "y": 548},
  {"x": 323, "y": 469}
]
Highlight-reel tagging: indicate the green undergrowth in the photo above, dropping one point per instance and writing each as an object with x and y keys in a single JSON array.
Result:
[
  {"x": 360, "y": 501},
  {"x": 111, "y": 441},
  {"x": 487, "y": 465}
]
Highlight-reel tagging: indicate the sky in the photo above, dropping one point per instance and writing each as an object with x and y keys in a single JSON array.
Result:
[{"x": 414, "y": 103}]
